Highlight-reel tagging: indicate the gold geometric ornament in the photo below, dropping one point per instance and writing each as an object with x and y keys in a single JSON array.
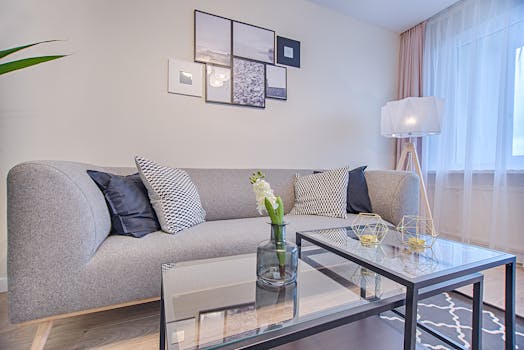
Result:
[
  {"x": 370, "y": 229},
  {"x": 417, "y": 232}
]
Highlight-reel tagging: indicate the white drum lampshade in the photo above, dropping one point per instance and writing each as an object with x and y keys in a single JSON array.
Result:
[{"x": 412, "y": 117}]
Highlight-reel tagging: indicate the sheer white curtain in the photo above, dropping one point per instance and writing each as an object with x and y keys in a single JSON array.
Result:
[{"x": 473, "y": 58}]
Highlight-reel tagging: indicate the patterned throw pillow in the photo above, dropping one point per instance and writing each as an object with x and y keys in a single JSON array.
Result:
[
  {"x": 358, "y": 194},
  {"x": 173, "y": 196},
  {"x": 322, "y": 194}
]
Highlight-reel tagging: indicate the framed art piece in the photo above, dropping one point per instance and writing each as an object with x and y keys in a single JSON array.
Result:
[
  {"x": 276, "y": 82},
  {"x": 212, "y": 39},
  {"x": 184, "y": 77},
  {"x": 288, "y": 52},
  {"x": 218, "y": 84},
  {"x": 249, "y": 83},
  {"x": 253, "y": 42}
]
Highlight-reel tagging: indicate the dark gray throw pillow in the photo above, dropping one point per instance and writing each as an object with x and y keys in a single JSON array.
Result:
[
  {"x": 128, "y": 203},
  {"x": 358, "y": 196}
]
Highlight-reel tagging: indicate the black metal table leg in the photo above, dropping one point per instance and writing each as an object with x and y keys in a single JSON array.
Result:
[
  {"x": 476, "y": 325},
  {"x": 298, "y": 242},
  {"x": 510, "y": 306},
  {"x": 410, "y": 319},
  {"x": 162, "y": 319}
]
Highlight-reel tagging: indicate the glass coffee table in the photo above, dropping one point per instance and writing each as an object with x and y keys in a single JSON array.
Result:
[
  {"x": 216, "y": 303},
  {"x": 430, "y": 268}
]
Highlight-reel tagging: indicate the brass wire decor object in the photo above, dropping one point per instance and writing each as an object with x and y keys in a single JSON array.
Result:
[
  {"x": 370, "y": 228},
  {"x": 417, "y": 232}
]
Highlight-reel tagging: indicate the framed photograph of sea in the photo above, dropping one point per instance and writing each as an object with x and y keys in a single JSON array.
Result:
[
  {"x": 253, "y": 42},
  {"x": 212, "y": 39},
  {"x": 249, "y": 83},
  {"x": 276, "y": 82}
]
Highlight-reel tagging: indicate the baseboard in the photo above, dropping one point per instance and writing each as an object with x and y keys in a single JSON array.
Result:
[{"x": 3, "y": 284}]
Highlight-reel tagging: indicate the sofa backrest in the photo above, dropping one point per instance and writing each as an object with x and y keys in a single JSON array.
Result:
[
  {"x": 227, "y": 193},
  {"x": 65, "y": 190}
]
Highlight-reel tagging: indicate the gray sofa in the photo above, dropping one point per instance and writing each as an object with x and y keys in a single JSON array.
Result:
[{"x": 61, "y": 259}]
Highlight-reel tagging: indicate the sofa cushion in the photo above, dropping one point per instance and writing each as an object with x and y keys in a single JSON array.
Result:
[
  {"x": 173, "y": 196},
  {"x": 128, "y": 204},
  {"x": 322, "y": 194},
  {"x": 111, "y": 272}
]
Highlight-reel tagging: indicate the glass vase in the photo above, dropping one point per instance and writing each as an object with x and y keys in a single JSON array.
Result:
[
  {"x": 277, "y": 259},
  {"x": 276, "y": 305}
]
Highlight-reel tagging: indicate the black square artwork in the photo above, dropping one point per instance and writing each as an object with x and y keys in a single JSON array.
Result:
[{"x": 288, "y": 52}]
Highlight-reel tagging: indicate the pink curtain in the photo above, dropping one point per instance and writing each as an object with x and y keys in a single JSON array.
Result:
[{"x": 410, "y": 71}]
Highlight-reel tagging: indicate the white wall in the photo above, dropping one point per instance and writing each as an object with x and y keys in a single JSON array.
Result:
[{"x": 107, "y": 101}]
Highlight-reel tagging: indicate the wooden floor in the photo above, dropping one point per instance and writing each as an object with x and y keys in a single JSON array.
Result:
[
  {"x": 494, "y": 289},
  {"x": 136, "y": 327}
]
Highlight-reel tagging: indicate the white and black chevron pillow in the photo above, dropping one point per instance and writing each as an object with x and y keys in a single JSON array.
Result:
[
  {"x": 322, "y": 194},
  {"x": 172, "y": 194}
]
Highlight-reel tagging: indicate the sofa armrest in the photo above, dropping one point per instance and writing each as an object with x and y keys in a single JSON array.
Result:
[
  {"x": 393, "y": 194},
  {"x": 56, "y": 220}
]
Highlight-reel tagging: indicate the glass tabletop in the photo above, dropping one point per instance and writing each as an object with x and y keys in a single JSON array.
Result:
[
  {"x": 216, "y": 302},
  {"x": 396, "y": 258}
]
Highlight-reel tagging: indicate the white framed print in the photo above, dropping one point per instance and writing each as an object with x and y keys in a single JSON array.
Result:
[{"x": 185, "y": 78}]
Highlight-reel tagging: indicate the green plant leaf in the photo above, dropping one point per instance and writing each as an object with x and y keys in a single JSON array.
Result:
[
  {"x": 26, "y": 62},
  {"x": 270, "y": 211},
  {"x": 280, "y": 210},
  {"x": 4, "y": 53}
]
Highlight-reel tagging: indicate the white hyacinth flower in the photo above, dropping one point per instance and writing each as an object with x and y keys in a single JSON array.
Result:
[{"x": 263, "y": 190}]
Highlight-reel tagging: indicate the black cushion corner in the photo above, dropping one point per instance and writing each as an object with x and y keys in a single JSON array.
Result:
[
  {"x": 128, "y": 203},
  {"x": 358, "y": 196}
]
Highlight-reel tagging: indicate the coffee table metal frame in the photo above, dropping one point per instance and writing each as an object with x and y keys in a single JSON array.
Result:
[
  {"x": 326, "y": 322},
  {"x": 415, "y": 288}
]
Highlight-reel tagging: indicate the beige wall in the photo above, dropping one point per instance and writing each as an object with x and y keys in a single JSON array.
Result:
[{"x": 108, "y": 101}]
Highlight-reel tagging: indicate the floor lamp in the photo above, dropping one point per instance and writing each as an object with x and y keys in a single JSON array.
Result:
[{"x": 408, "y": 118}]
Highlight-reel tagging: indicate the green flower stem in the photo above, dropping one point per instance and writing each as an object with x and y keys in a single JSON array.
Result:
[{"x": 277, "y": 219}]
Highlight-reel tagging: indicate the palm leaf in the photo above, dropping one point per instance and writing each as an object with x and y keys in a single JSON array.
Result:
[
  {"x": 26, "y": 62},
  {"x": 4, "y": 53}
]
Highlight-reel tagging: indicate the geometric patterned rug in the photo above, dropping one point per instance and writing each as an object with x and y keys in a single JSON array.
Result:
[{"x": 450, "y": 314}]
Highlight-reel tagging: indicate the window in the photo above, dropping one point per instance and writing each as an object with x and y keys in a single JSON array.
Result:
[
  {"x": 474, "y": 60},
  {"x": 518, "y": 108}
]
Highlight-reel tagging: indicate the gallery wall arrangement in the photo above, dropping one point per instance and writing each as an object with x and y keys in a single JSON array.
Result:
[{"x": 238, "y": 60}]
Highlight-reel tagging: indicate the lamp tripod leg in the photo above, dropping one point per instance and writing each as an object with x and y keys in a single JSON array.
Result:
[
  {"x": 409, "y": 153},
  {"x": 401, "y": 164},
  {"x": 423, "y": 191}
]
